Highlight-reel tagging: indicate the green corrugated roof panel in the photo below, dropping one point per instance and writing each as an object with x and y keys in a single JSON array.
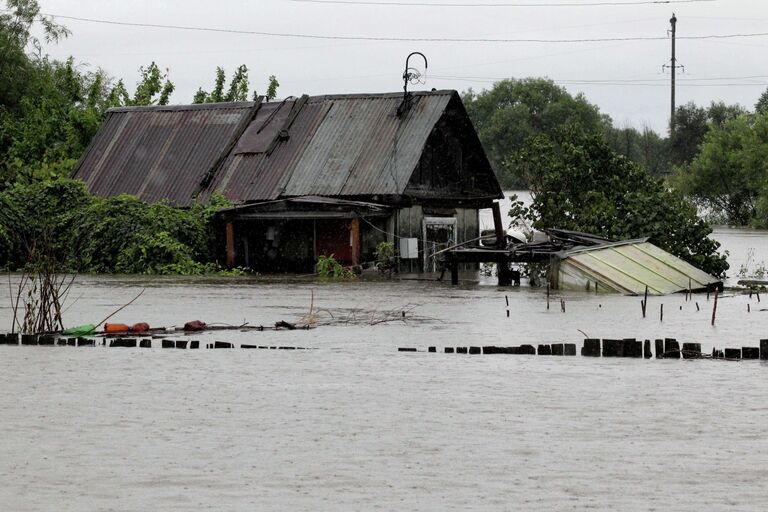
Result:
[{"x": 630, "y": 266}]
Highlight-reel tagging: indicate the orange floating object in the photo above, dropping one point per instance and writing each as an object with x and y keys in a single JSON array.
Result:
[
  {"x": 140, "y": 327},
  {"x": 116, "y": 328}
]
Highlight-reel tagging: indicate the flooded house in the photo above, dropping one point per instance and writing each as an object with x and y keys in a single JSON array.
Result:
[{"x": 309, "y": 176}]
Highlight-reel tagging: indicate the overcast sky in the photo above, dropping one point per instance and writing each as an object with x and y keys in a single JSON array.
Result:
[{"x": 624, "y": 78}]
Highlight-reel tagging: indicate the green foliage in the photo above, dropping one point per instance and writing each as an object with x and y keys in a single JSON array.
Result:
[
  {"x": 580, "y": 184},
  {"x": 761, "y": 107},
  {"x": 692, "y": 123},
  {"x": 17, "y": 28},
  {"x": 514, "y": 110},
  {"x": 40, "y": 215},
  {"x": 271, "y": 88},
  {"x": 153, "y": 88},
  {"x": 118, "y": 234},
  {"x": 237, "y": 90},
  {"x": 646, "y": 148},
  {"x": 385, "y": 251},
  {"x": 54, "y": 121},
  {"x": 327, "y": 267},
  {"x": 385, "y": 257},
  {"x": 729, "y": 174}
]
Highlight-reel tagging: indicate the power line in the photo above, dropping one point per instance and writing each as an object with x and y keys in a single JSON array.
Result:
[
  {"x": 399, "y": 39},
  {"x": 555, "y": 4},
  {"x": 608, "y": 82},
  {"x": 617, "y": 80}
]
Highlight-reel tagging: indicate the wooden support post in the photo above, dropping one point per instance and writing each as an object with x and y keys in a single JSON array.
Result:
[
  {"x": 613, "y": 348},
  {"x": 714, "y": 306},
  {"x": 644, "y": 303},
  {"x": 498, "y": 226},
  {"x": 591, "y": 348},
  {"x": 647, "y": 349},
  {"x": 750, "y": 353},
  {"x": 671, "y": 348},
  {"x": 230, "y": 245},
  {"x": 454, "y": 273},
  {"x": 354, "y": 240},
  {"x": 502, "y": 264},
  {"x": 691, "y": 350}
]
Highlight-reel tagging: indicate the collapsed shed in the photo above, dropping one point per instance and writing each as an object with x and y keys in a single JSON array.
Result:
[
  {"x": 628, "y": 267},
  {"x": 333, "y": 174}
]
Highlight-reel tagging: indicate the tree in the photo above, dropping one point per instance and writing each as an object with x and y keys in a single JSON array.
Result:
[
  {"x": 579, "y": 183},
  {"x": 761, "y": 107},
  {"x": 16, "y": 40},
  {"x": 513, "y": 110},
  {"x": 692, "y": 123},
  {"x": 728, "y": 175},
  {"x": 237, "y": 90},
  {"x": 57, "y": 115},
  {"x": 153, "y": 88},
  {"x": 646, "y": 148}
]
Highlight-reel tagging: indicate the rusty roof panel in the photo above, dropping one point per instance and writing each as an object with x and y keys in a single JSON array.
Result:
[
  {"x": 160, "y": 153},
  {"x": 264, "y": 128},
  {"x": 257, "y": 176},
  {"x": 362, "y": 147},
  {"x": 344, "y": 145}
]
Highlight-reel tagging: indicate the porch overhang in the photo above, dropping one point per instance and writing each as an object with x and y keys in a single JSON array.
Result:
[{"x": 305, "y": 208}]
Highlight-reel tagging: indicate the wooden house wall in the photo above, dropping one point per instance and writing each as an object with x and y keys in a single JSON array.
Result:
[
  {"x": 409, "y": 223},
  {"x": 453, "y": 164}
]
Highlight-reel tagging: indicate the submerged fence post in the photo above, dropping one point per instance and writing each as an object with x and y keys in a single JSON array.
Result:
[
  {"x": 644, "y": 303},
  {"x": 547, "y": 295},
  {"x": 714, "y": 307}
]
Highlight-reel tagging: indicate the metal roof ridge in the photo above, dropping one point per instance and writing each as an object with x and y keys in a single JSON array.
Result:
[
  {"x": 184, "y": 107},
  {"x": 380, "y": 95},
  {"x": 580, "y": 248}
]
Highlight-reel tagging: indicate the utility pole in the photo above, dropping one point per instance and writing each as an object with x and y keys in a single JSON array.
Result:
[{"x": 672, "y": 67}]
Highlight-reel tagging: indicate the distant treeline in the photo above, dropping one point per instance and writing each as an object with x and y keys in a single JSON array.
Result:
[{"x": 715, "y": 155}]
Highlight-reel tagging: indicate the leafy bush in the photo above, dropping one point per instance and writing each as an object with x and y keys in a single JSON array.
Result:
[
  {"x": 118, "y": 234},
  {"x": 327, "y": 267},
  {"x": 385, "y": 257}
]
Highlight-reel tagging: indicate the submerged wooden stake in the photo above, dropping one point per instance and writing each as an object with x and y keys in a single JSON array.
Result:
[
  {"x": 714, "y": 308},
  {"x": 547, "y": 296},
  {"x": 645, "y": 300}
]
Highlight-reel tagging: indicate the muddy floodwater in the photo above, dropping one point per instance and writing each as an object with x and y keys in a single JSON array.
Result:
[{"x": 355, "y": 425}]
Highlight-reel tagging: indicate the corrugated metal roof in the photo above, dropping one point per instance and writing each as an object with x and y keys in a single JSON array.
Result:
[
  {"x": 160, "y": 153},
  {"x": 340, "y": 145},
  {"x": 628, "y": 267},
  {"x": 337, "y": 145}
]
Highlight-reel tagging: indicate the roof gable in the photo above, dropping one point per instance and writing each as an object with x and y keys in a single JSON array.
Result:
[{"x": 336, "y": 145}]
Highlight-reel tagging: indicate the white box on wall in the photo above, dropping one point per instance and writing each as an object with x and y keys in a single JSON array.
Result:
[{"x": 409, "y": 248}]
